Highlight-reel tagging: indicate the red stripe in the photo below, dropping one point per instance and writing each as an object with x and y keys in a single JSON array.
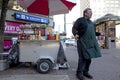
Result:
[
  {"x": 70, "y": 5},
  {"x": 43, "y": 7}
]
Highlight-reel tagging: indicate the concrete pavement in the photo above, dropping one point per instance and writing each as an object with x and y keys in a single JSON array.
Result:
[
  {"x": 34, "y": 77},
  {"x": 106, "y": 67}
]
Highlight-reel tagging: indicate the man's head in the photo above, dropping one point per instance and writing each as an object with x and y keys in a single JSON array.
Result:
[{"x": 87, "y": 13}]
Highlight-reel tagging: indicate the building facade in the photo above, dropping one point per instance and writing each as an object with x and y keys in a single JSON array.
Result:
[
  {"x": 102, "y": 7},
  {"x": 84, "y": 4}
]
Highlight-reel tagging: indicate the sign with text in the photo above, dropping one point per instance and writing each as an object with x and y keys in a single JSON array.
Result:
[
  {"x": 28, "y": 17},
  {"x": 12, "y": 27}
]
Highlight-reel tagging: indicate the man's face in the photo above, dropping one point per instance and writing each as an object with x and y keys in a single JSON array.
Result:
[{"x": 88, "y": 14}]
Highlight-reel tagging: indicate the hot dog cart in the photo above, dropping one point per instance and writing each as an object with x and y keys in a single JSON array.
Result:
[{"x": 46, "y": 54}]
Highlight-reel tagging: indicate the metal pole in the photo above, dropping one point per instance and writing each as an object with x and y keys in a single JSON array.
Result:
[{"x": 65, "y": 23}]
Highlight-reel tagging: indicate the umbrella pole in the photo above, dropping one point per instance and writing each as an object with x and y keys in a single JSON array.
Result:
[{"x": 65, "y": 23}]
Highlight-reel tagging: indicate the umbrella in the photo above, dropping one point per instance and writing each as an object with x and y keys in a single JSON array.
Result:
[{"x": 47, "y": 7}]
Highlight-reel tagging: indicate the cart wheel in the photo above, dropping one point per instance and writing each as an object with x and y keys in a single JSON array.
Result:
[{"x": 44, "y": 66}]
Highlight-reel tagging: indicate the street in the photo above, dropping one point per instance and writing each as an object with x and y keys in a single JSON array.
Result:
[{"x": 106, "y": 67}]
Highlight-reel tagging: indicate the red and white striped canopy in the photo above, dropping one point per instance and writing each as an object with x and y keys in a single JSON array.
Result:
[{"x": 47, "y": 7}]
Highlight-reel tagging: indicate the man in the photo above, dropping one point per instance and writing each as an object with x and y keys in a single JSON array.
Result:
[{"x": 87, "y": 46}]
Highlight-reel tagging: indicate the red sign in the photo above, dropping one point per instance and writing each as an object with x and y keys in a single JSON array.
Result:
[{"x": 12, "y": 27}]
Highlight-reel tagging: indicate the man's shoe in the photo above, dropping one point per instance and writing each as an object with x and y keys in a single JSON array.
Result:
[
  {"x": 88, "y": 75},
  {"x": 80, "y": 77}
]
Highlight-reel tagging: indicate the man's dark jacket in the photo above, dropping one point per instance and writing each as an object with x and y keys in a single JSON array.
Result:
[
  {"x": 90, "y": 48},
  {"x": 83, "y": 26}
]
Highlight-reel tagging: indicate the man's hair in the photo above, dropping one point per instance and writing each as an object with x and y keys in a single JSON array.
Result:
[{"x": 85, "y": 10}]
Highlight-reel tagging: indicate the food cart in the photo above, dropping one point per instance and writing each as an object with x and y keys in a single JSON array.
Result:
[{"x": 46, "y": 54}]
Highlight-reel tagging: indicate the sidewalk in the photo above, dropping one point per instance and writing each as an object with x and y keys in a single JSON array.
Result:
[
  {"x": 34, "y": 77},
  {"x": 108, "y": 66}
]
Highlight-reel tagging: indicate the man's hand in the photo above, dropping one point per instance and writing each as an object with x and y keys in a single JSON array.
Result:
[{"x": 76, "y": 36}]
